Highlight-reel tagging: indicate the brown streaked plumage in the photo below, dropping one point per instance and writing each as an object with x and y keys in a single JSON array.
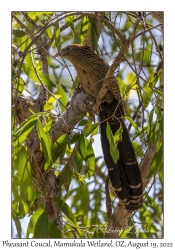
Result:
[{"x": 125, "y": 175}]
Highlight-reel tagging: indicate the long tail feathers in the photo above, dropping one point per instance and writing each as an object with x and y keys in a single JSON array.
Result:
[{"x": 125, "y": 175}]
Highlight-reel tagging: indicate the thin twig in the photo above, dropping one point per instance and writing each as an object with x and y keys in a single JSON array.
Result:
[
  {"x": 21, "y": 24},
  {"x": 42, "y": 82},
  {"x": 30, "y": 20},
  {"x": 135, "y": 114},
  {"x": 62, "y": 28}
]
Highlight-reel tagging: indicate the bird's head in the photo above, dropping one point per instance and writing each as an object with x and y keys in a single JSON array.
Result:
[
  {"x": 83, "y": 58},
  {"x": 73, "y": 52}
]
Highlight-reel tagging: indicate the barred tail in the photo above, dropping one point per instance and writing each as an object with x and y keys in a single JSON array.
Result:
[{"x": 125, "y": 175}]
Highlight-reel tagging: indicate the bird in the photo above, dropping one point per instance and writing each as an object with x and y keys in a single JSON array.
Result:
[{"x": 125, "y": 175}]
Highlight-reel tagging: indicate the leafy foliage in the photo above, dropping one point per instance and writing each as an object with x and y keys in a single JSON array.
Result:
[
  {"x": 82, "y": 173},
  {"x": 113, "y": 141}
]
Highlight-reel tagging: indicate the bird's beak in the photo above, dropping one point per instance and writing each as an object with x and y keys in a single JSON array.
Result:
[{"x": 57, "y": 54}]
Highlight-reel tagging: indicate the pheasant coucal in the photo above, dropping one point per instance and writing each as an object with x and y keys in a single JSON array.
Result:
[{"x": 125, "y": 175}]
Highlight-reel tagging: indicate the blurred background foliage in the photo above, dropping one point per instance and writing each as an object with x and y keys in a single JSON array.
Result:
[{"x": 78, "y": 160}]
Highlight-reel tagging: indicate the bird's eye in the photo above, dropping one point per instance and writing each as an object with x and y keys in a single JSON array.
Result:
[{"x": 67, "y": 49}]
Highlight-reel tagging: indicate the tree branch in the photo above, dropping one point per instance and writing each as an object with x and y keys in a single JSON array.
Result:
[{"x": 158, "y": 15}]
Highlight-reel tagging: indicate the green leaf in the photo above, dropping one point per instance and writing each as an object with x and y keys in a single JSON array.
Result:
[
  {"x": 74, "y": 121},
  {"x": 54, "y": 232},
  {"x": 83, "y": 145},
  {"x": 48, "y": 126},
  {"x": 148, "y": 90},
  {"x": 81, "y": 197},
  {"x": 90, "y": 129},
  {"x": 68, "y": 213},
  {"x": 114, "y": 153},
  {"x": 45, "y": 144},
  {"x": 19, "y": 33},
  {"x": 159, "y": 92},
  {"x": 38, "y": 225},
  {"x": 152, "y": 204},
  {"x": 65, "y": 209},
  {"x": 23, "y": 42},
  {"x": 25, "y": 128},
  {"x": 23, "y": 208},
  {"x": 48, "y": 106},
  {"x": 132, "y": 122},
  {"x": 49, "y": 32},
  {"x": 34, "y": 15},
  {"x": 63, "y": 98},
  {"x": 77, "y": 160},
  {"x": 113, "y": 142},
  {"x": 13, "y": 120},
  {"x": 84, "y": 25},
  {"x": 118, "y": 135},
  {"x": 150, "y": 122},
  {"x": 41, "y": 227},
  {"x": 84, "y": 28},
  {"x": 50, "y": 103},
  {"x": 156, "y": 162},
  {"x": 75, "y": 138},
  {"x": 109, "y": 135},
  {"x": 23, "y": 172},
  {"x": 57, "y": 35},
  {"x": 14, "y": 208},
  {"x": 95, "y": 132},
  {"x": 140, "y": 132},
  {"x": 161, "y": 177},
  {"x": 90, "y": 160},
  {"x": 84, "y": 123},
  {"x": 158, "y": 113},
  {"x": 131, "y": 78},
  {"x": 58, "y": 146},
  {"x": 30, "y": 193},
  {"x": 67, "y": 177},
  {"x": 30, "y": 72},
  {"x": 19, "y": 85},
  {"x": 70, "y": 20},
  {"x": 80, "y": 178}
]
